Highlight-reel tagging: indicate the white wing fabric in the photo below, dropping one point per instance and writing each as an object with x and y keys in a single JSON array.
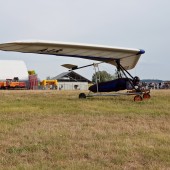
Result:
[{"x": 128, "y": 57}]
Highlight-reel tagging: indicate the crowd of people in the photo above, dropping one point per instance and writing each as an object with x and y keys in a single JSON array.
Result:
[{"x": 154, "y": 85}]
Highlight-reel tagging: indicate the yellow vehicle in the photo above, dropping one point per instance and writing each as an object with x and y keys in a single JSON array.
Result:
[
  {"x": 2, "y": 85},
  {"x": 12, "y": 84},
  {"x": 51, "y": 84}
]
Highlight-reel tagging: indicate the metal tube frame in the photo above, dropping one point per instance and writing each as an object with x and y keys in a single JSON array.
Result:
[{"x": 123, "y": 70}]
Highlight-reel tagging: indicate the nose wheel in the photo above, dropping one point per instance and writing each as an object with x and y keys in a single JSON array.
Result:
[{"x": 146, "y": 96}]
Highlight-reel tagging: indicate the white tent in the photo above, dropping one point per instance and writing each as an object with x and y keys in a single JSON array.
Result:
[{"x": 13, "y": 68}]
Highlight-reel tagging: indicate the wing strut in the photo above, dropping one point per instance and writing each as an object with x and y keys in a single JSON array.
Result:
[
  {"x": 94, "y": 64},
  {"x": 120, "y": 69}
]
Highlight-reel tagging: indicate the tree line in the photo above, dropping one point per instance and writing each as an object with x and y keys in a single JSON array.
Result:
[{"x": 103, "y": 76}]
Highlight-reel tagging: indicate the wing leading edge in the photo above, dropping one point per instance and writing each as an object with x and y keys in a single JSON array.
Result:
[{"x": 128, "y": 57}]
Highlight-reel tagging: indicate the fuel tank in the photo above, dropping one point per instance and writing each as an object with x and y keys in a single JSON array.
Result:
[{"x": 109, "y": 86}]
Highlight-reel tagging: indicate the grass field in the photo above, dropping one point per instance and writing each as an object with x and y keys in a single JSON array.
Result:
[{"x": 56, "y": 130}]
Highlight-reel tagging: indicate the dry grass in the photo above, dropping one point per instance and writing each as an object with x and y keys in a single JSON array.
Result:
[{"x": 56, "y": 130}]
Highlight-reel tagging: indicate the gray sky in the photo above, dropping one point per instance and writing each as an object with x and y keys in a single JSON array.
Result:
[{"x": 143, "y": 24}]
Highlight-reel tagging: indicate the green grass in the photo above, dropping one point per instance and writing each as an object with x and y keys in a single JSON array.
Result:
[{"x": 56, "y": 130}]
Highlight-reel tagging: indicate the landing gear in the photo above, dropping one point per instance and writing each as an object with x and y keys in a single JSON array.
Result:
[
  {"x": 146, "y": 96},
  {"x": 137, "y": 98},
  {"x": 82, "y": 96}
]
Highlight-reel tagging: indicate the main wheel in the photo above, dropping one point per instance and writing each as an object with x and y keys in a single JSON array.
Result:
[
  {"x": 82, "y": 96},
  {"x": 146, "y": 96},
  {"x": 138, "y": 98}
]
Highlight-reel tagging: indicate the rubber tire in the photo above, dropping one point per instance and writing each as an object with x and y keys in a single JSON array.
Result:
[
  {"x": 82, "y": 96},
  {"x": 137, "y": 98},
  {"x": 146, "y": 96}
]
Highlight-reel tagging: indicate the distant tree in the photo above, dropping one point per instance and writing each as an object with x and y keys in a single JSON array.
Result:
[
  {"x": 104, "y": 76},
  {"x": 116, "y": 74}
]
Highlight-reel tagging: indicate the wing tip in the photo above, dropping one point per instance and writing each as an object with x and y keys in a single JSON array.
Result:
[{"x": 141, "y": 51}]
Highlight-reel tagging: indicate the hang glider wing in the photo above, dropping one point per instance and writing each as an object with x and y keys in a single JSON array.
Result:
[{"x": 128, "y": 57}]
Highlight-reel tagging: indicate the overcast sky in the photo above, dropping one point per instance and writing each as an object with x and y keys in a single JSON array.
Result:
[{"x": 143, "y": 24}]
